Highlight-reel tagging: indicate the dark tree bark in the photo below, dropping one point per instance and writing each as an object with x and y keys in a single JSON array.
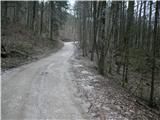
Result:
[
  {"x": 33, "y": 15},
  {"x": 94, "y": 30},
  {"x": 154, "y": 53},
  {"x": 127, "y": 38},
  {"x": 28, "y": 24},
  {"x": 144, "y": 26},
  {"x": 139, "y": 26},
  {"x": 41, "y": 21},
  {"x": 51, "y": 19},
  {"x": 149, "y": 28}
]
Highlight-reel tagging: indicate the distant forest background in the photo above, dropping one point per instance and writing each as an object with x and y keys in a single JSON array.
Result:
[{"x": 31, "y": 29}]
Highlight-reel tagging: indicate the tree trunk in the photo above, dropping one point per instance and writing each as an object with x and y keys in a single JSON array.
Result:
[
  {"x": 149, "y": 27},
  {"x": 94, "y": 30},
  {"x": 28, "y": 14},
  {"x": 144, "y": 26},
  {"x": 33, "y": 15},
  {"x": 127, "y": 37},
  {"x": 41, "y": 22},
  {"x": 154, "y": 53},
  {"x": 139, "y": 27},
  {"x": 51, "y": 19}
]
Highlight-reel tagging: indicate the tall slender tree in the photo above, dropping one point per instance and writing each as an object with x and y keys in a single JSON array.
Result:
[{"x": 154, "y": 52}]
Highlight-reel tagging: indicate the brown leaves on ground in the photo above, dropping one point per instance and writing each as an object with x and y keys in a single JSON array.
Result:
[{"x": 104, "y": 98}]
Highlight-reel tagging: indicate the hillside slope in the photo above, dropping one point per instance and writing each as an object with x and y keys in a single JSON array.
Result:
[{"x": 21, "y": 45}]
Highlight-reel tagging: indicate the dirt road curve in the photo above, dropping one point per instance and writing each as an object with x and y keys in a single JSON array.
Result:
[{"x": 41, "y": 90}]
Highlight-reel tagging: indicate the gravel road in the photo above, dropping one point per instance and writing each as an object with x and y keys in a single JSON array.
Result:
[{"x": 41, "y": 90}]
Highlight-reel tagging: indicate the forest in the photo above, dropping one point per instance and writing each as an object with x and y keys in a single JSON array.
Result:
[
  {"x": 29, "y": 23},
  {"x": 36, "y": 15},
  {"x": 42, "y": 40},
  {"x": 123, "y": 38}
]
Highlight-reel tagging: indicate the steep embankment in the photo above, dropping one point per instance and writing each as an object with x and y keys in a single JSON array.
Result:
[{"x": 21, "y": 45}]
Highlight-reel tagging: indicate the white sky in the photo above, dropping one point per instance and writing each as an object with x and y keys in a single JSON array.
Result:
[{"x": 71, "y": 2}]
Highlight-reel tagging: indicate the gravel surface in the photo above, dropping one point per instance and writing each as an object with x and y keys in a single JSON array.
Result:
[{"x": 41, "y": 90}]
